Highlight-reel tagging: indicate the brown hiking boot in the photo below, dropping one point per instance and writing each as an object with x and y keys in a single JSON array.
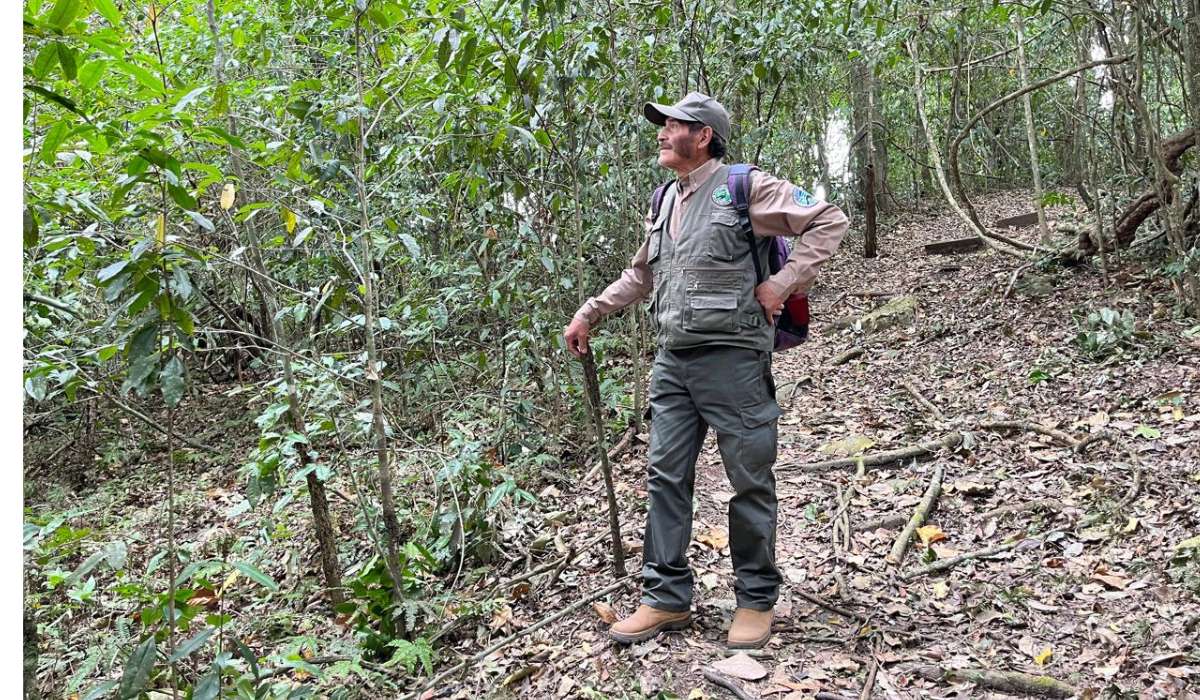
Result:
[
  {"x": 750, "y": 629},
  {"x": 646, "y": 622}
]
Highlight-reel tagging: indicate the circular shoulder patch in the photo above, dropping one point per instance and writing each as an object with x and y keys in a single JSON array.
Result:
[
  {"x": 803, "y": 198},
  {"x": 721, "y": 196}
]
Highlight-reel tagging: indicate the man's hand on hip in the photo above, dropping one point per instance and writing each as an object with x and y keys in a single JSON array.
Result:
[
  {"x": 576, "y": 335},
  {"x": 771, "y": 298}
]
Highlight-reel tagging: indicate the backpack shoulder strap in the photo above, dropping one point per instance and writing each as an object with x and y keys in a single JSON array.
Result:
[
  {"x": 738, "y": 182},
  {"x": 656, "y": 199}
]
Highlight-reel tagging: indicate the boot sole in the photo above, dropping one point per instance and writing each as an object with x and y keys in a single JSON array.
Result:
[
  {"x": 668, "y": 626},
  {"x": 753, "y": 644}
]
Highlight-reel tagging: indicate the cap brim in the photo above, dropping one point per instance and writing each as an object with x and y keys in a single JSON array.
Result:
[{"x": 658, "y": 114}]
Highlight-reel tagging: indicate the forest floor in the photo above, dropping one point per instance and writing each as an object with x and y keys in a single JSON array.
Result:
[
  {"x": 1098, "y": 593},
  {"x": 1096, "y": 603}
]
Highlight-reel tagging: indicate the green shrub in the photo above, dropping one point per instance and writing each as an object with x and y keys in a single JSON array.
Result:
[{"x": 1106, "y": 333}]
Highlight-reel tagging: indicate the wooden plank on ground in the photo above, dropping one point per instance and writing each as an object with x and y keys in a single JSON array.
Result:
[
  {"x": 961, "y": 245},
  {"x": 1018, "y": 221}
]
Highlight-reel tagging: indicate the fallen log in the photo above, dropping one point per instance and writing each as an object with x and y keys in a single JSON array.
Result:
[
  {"x": 878, "y": 459},
  {"x": 1013, "y": 682}
]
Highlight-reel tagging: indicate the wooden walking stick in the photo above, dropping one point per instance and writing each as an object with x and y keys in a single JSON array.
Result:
[{"x": 593, "y": 392}]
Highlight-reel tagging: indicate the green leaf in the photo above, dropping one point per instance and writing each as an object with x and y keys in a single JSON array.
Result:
[
  {"x": 248, "y": 656},
  {"x": 137, "y": 669},
  {"x": 201, "y": 220},
  {"x": 36, "y": 387},
  {"x": 182, "y": 197},
  {"x": 66, "y": 59},
  {"x": 56, "y": 98},
  {"x": 109, "y": 11},
  {"x": 63, "y": 13},
  {"x": 54, "y": 139},
  {"x": 29, "y": 230},
  {"x": 186, "y": 101},
  {"x": 1145, "y": 431},
  {"x": 100, "y": 691},
  {"x": 414, "y": 250},
  {"x": 209, "y": 686},
  {"x": 187, "y": 648},
  {"x": 171, "y": 379},
  {"x": 91, "y": 72},
  {"x": 44, "y": 62},
  {"x": 256, "y": 575}
]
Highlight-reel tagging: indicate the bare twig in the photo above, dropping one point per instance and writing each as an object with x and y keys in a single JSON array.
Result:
[
  {"x": 918, "y": 517},
  {"x": 153, "y": 424},
  {"x": 951, "y": 562},
  {"x": 717, "y": 678},
  {"x": 877, "y": 459},
  {"x": 1028, "y": 426},
  {"x": 457, "y": 668},
  {"x": 819, "y": 601},
  {"x": 924, "y": 402}
]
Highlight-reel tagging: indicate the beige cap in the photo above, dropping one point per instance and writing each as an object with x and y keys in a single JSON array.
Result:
[{"x": 694, "y": 107}]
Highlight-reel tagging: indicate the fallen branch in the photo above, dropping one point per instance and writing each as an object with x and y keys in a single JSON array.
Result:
[
  {"x": 717, "y": 678},
  {"x": 151, "y": 422},
  {"x": 887, "y": 522},
  {"x": 951, "y": 562},
  {"x": 924, "y": 402},
  {"x": 918, "y": 517},
  {"x": 821, "y": 602},
  {"x": 846, "y": 356},
  {"x": 869, "y": 685},
  {"x": 877, "y": 459},
  {"x": 587, "y": 600},
  {"x": 617, "y": 451},
  {"x": 1013, "y": 682},
  {"x": 1027, "y": 426},
  {"x": 1102, "y": 436}
]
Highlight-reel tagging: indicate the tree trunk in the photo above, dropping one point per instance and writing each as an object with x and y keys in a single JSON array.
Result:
[
  {"x": 1030, "y": 133},
  {"x": 273, "y": 329},
  {"x": 391, "y": 524}
]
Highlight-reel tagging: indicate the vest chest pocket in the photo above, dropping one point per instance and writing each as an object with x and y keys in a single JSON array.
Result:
[
  {"x": 726, "y": 242},
  {"x": 654, "y": 250},
  {"x": 712, "y": 300}
]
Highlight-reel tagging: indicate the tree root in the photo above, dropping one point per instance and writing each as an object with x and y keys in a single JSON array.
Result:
[
  {"x": 878, "y": 459},
  {"x": 951, "y": 562},
  {"x": 918, "y": 517},
  {"x": 1013, "y": 682},
  {"x": 1058, "y": 435}
]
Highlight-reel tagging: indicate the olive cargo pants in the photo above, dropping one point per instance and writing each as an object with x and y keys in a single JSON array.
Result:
[{"x": 730, "y": 389}]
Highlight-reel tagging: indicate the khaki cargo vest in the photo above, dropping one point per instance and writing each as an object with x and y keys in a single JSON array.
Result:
[{"x": 704, "y": 279}]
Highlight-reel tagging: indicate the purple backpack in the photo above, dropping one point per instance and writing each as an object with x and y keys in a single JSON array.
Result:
[{"x": 791, "y": 327}]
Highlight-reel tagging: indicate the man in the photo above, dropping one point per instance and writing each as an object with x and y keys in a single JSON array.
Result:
[{"x": 713, "y": 322}]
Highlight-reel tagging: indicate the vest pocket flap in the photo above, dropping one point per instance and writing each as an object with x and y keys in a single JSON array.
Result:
[
  {"x": 725, "y": 218},
  {"x": 760, "y": 413},
  {"x": 714, "y": 301}
]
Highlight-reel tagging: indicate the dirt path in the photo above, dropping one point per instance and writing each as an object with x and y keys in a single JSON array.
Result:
[{"x": 1100, "y": 607}]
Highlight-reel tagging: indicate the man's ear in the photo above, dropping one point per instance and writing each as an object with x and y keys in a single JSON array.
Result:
[{"x": 706, "y": 135}]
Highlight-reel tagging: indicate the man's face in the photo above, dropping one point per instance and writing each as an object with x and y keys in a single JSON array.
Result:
[{"x": 677, "y": 144}]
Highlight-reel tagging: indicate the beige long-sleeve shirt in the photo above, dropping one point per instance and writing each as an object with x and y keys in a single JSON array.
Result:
[{"x": 777, "y": 208}]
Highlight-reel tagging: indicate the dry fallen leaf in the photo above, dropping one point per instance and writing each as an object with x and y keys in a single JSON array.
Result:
[
  {"x": 741, "y": 666},
  {"x": 940, "y": 590},
  {"x": 847, "y": 446},
  {"x": 605, "y": 611},
  {"x": 1117, "y": 582},
  {"x": 930, "y": 534},
  {"x": 716, "y": 538},
  {"x": 1043, "y": 657}
]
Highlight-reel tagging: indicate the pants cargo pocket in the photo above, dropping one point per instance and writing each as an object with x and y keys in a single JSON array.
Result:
[{"x": 759, "y": 441}]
